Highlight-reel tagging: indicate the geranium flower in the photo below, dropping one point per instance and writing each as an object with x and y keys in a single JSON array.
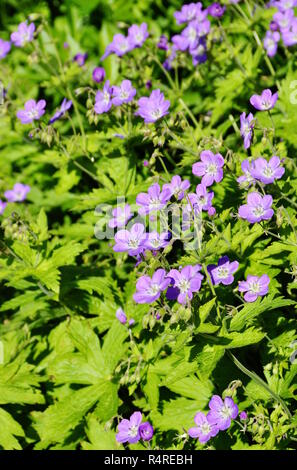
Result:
[
  {"x": 5, "y": 47},
  {"x": 153, "y": 200},
  {"x": 223, "y": 272},
  {"x": 270, "y": 42},
  {"x": 204, "y": 429},
  {"x": 123, "y": 93},
  {"x": 257, "y": 208},
  {"x": 98, "y": 74},
  {"x": 246, "y": 179},
  {"x": 246, "y": 129},
  {"x": 153, "y": 108},
  {"x": 2, "y": 206},
  {"x": 254, "y": 287},
  {"x": 32, "y": 111},
  {"x": 121, "y": 215},
  {"x": 103, "y": 99},
  {"x": 265, "y": 101},
  {"x": 65, "y": 106},
  {"x": 130, "y": 241},
  {"x": 221, "y": 412},
  {"x": 188, "y": 280},
  {"x": 23, "y": 35},
  {"x": 137, "y": 35},
  {"x": 267, "y": 172},
  {"x": 18, "y": 193},
  {"x": 148, "y": 289},
  {"x": 129, "y": 429},
  {"x": 155, "y": 241},
  {"x": 177, "y": 187},
  {"x": 210, "y": 167}
]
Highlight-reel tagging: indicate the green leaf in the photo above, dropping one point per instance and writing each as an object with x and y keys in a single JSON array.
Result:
[
  {"x": 9, "y": 428},
  {"x": 252, "y": 310}
]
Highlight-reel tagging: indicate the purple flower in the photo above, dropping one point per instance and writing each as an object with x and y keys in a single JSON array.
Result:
[
  {"x": 199, "y": 53},
  {"x": 98, "y": 74},
  {"x": 4, "y": 48},
  {"x": 204, "y": 429},
  {"x": 23, "y": 35},
  {"x": 273, "y": 26},
  {"x": 18, "y": 193},
  {"x": 257, "y": 208},
  {"x": 149, "y": 289},
  {"x": 285, "y": 4},
  {"x": 2, "y": 206},
  {"x": 65, "y": 106},
  {"x": 32, "y": 111},
  {"x": 243, "y": 416},
  {"x": 267, "y": 172},
  {"x": 80, "y": 59},
  {"x": 163, "y": 43},
  {"x": 155, "y": 241},
  {"x": 246, "y": 179},
  {"x": 153, "y": 107},
  {"x": 190, "y": 12},
  {"x": 130, "y": 241},
  {"x": 188, "y": 280},
  {"x": 123, "y": 93},
  {"x": 290, "y": 36},
  {"x": 120, "y": 216},
  {"x": 177, "y": 187},
  {"x": 246, "y": 129},
  {"x": 284, "y": 19},
  {"x": 103, "y": 99},
  {"x": 216, "y": 10},
  {"x": 129, "y": 429},
  {"x": 254, "y": 287},
  {"x": 121, "y": 316},
  {"x": 265, "y": 101},
  {"x": 223, "y": 273},
  {"x": 270, "y": 42},
  {"x": 153, "y": 200},
  {"x": 137, "y": 35},
  {"x": 146, "y": 431},
  {"x": 210, "y": 167},
  {"x": 120, "y": 45},
  {"x": 201, "y": 201},
  {"x": 221, "y": 412}
]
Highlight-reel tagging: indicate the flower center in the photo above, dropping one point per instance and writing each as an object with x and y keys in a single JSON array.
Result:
[
  {"x": 154, "y": 289},
  {"x": 154, "y": 203},
  {"x": 124, "y": 94},
  {"x": 258, "y": 211},
  {"x": 33, "y": 113},
  {"x": 225, "y": 412},
  {"x": 266, "y": 104},
  {"x": 268, "y": 171},
  {"x": 157, "y": 113},
  {"x": 205, "y": 428},
  {"x": 222, "y": 272},
  {"x": 192, "y": 34},
  {"x": 133, "y": 243},
  {"x": 254, "y": 287},
  {"x": 106, "y": 97},
  {"x": 211, "y": 169},
  {"x": 133, "y": 431},
  {"x": 184, "y": 285}
]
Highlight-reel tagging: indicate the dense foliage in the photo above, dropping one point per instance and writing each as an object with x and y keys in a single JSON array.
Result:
[{"x": 97, "y": 323}]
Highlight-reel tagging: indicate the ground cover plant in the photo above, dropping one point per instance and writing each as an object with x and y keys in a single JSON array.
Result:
[{"x": 148, "y": 225}]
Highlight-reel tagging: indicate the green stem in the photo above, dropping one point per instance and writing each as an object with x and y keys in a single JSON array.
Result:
[{"x": 260, "y": 382}]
